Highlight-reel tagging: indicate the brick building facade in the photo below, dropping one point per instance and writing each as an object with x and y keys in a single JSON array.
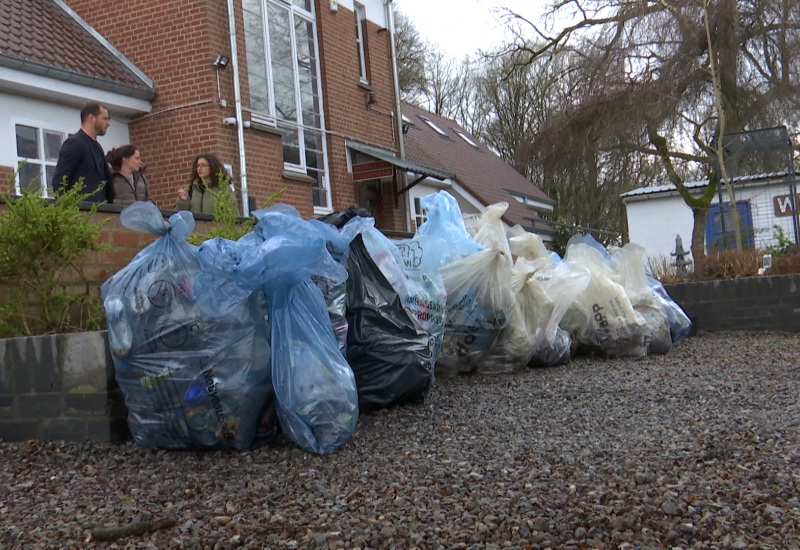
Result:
[{"x": 175, "y": 44}]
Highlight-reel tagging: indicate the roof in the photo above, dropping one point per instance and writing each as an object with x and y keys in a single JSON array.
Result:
[
  {"x": 478, "y": 169},
  {"x": 74, "y": 53},
  {"x": 388, "y": 156},
  {"x": 670, "y": 187}
]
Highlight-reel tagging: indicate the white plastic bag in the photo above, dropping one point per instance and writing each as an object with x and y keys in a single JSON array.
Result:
[
  {"x": 479, "y": 298},
  {"x": 602, "y": 313}
]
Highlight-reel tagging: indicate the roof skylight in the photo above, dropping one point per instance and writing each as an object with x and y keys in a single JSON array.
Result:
[
  {"x": 465, "y": 137},
  {"x": 430, "y": 123}
]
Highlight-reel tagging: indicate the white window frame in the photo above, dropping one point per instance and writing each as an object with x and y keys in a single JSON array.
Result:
[
  {"x": 420, "y": 216},
  {"x": 271, "y": 118},
  {"x": 41, "y": 129},
  {"x": 360, "y": 21}
]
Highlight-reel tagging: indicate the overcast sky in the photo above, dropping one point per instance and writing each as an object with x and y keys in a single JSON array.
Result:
[{"x": 461, "y": 27}]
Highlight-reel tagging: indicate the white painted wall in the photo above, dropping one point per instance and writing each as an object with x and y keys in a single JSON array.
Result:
[
  {"x": 52, "y": 116},
  {"x": 655, "y": 222},
  {"x": 375, "y": 9}
]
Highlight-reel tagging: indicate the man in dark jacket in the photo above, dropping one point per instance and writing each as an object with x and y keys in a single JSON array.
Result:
[{"x": 82, "y": 157}]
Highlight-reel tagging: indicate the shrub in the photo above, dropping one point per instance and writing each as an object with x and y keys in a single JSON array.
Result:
[
  {"x": 785, "y": 263},
  {"x": 43, "y": 243},
  {"x": 782, "y": 243},
  {"x": 727, "y": 264},
  {"x": 662, "y": 269}
]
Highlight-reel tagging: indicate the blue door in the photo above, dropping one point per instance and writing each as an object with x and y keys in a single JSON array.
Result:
[{"x": 719, "y": 226}]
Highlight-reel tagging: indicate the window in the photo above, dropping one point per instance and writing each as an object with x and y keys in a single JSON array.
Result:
[
  {"x": 420, "y": 216},
  {"x": 361, "y": 17},
  {"x": 720, "y": 233},
  {"x": 465, "y": 137},
  {"x": 284, "y": 84},
  {"x": 432, "y": 124},
  {"x": 37, "y": 154}
]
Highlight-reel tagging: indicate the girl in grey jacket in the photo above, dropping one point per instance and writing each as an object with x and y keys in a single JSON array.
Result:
[{"x": 127, "y": 183}]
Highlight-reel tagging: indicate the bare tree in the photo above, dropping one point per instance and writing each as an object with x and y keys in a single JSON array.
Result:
[
  {"x": 647, "y": 85},
  {"x": 411, "y": 57}
]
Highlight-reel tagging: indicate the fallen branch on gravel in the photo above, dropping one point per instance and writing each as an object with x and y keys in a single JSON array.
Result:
[{"x": 131, "y": 529}]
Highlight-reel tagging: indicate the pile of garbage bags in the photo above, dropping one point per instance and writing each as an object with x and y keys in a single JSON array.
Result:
[{"x": 301, "y": 325}]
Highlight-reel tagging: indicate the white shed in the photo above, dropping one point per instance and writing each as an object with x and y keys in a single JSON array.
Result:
[{"x": 656, "y": 215}]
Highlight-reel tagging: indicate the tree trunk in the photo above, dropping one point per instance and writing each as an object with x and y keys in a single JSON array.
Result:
[{"x": 698, "y": 241}]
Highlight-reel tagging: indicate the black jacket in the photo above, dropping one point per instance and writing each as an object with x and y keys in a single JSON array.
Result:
[{"x": 81, "y": 156}]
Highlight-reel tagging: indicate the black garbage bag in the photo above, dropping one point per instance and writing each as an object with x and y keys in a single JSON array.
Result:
[
  {"x": 340, "y": 219},
  {"x": 389, "y": 351}
]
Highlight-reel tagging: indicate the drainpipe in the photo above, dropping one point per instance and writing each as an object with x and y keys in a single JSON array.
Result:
[
  {"x": 237, "y": 98},
  {"x": 398, "y": 126}
]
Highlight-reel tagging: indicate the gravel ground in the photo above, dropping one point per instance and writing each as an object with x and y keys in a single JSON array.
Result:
[{"x": 695, "y": 449}]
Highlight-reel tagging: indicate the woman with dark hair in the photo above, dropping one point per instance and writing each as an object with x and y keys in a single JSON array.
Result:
[
  {"x": 127, "y": 184},
  {"x": 209, "y": 178}
]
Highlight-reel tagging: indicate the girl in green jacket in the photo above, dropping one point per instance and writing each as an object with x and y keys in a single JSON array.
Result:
[{"x": 209, "y": 177}]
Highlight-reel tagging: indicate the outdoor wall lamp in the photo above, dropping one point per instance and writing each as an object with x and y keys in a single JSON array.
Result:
[{"x": 221, "y": 61}]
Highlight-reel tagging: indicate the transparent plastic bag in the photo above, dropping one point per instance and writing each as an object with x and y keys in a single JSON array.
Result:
[
  {"x": 479, "y": 298},
  {"x": 655, "y": 332},
  {"x": 412, "y": 268},
  {"x": 190, "y": 348},
  {"x": 517, "y": 342},
  {"x": 444, "y": 220},
  {"x": 561, "y": 282},
  {"x": 602, "y": 315},
  {"x": 317, "y": 400}
]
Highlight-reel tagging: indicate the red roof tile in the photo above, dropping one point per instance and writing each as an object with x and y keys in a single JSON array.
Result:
[
  {"x": 482, "y": 172},
  {"x": 41, "y": 32}
]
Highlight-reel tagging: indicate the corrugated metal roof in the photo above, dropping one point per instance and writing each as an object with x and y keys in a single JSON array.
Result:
[
  {"x": 653, "y": 189},
  {"x": 387, "y": 156}
]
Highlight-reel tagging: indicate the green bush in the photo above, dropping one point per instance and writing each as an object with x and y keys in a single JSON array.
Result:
[
  {"x": 782, "y": 242},
  {"x": 43, "y": 243}
]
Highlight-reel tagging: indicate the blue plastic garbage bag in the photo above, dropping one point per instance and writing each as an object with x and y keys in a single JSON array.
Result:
[
  {"x": 317, "y": 400},
  {"x": 190, "y": 354},
  {"x": 680, "y": 326},
  {"x": 445, "y": 221},
  {"x": 337, "y": 241},
  {"x": 223, "y": 254}
]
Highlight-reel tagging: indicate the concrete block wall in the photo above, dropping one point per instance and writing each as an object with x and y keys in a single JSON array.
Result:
[
  {"x": 60, "y": 387},
  {"x": 749, "y": 303}
]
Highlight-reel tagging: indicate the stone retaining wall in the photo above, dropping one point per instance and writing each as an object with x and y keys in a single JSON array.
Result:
[
  {"x": 749, "y": 303},
  {"x": 60, "y": 387}
]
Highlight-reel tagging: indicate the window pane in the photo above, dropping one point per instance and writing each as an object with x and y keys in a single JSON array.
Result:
[
  {"x": 291, "y": 145},
  {"x": 30, "y": 175},
  {"x": 52, "y": 145},
  {"x": 320, "y": 197},
  {"x": 50, "y": 171},
  {"x": 27, "y": 142},
  {"x": 252, "y": 5},
  {"x": 285, "y": 104},
  {"x": 256, "y": 55},
  {"x": 305, "y": 4},
  {"x": 259, "y": 95}
]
